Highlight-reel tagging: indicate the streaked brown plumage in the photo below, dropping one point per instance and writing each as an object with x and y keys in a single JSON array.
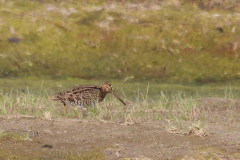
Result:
[{"x": 82, "y": 96}]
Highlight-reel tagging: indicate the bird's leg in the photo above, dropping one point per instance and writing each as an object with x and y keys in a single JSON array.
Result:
[
  {"x": 64, "y": 109},
  {"x": 99, "y": 104},
  {"x": 84, "y": 112}
]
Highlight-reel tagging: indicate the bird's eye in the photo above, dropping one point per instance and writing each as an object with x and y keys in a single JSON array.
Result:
[{"x": 109, "y": 85}]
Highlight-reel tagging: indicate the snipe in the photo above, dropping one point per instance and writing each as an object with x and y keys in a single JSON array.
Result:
[{"x": 82, "y": 96}]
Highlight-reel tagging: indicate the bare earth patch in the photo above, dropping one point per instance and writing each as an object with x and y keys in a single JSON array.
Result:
[{"x": 33, "y": 138}]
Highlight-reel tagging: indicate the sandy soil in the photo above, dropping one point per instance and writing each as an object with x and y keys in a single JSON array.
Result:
[{"x": 33, "y": 138}]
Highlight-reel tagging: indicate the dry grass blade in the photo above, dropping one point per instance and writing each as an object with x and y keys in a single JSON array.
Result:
[
  {"x": 195, "y": 130},
  {"x": 47, "y": 116}
]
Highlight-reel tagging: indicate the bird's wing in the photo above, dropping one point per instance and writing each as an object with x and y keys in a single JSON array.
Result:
[
  {"x": 83, "y": 95},
  {"x": 80, "y": 88},
  {"x": 84, "y": 90},
  {"x": 77, "y": 93}
]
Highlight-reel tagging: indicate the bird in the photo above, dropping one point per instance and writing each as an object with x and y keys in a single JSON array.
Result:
[{"x": 85, "y": 95}]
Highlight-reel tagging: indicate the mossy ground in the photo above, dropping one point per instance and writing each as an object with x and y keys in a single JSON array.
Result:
[{"x": 96, "y": 39}]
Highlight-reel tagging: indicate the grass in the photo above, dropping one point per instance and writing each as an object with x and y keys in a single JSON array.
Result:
[
  {"x": 25, "y": 104},
  {"x": 7, "y": 137},
  {"x": 97, "y": 39},
  {"x": 26, "y": 137},
  {"x": 148, "y": 101},
  {"x": 176, "y": 106},
  {"x": 179, "y": 111}
]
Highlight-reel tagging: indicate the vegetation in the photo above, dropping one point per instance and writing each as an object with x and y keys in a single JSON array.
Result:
[
  {"x": 37, "y": 105},
  {"x": 173, "y": 40},
  {"x": 151, "y": 101},
  {"x": 147, "y": 104}
]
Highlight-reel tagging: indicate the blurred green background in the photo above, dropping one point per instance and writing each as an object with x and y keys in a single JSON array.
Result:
[{"x": 162, "y": 40}]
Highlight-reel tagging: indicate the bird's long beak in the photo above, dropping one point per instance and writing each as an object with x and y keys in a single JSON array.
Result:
[{"x": 118, "y": 98}]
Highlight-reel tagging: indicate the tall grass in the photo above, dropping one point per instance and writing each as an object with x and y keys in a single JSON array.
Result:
[
  {"x": 186, "y": 107},
  {"x": 37, "y": 104},
  {"x": 26, "y": 103},
  {"x": 176, "y": 107}
]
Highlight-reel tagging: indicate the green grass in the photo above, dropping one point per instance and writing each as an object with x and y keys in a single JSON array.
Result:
[
  {"x": 6, "y": 137},
  {"x": 175, "y": 104},
  {"x": 25, "y": 104},
  {"x": 178, "y": 109},
  {"x": 37, "y": 104},
  {"x": 150, "y": 101},
  {"x": 89, "y": 39}
]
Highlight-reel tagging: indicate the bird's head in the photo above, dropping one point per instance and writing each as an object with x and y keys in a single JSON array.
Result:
[{"x": 107, "y": 88}]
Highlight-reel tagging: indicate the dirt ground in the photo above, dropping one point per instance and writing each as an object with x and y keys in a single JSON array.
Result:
[{"x": 34, "y": 138}]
